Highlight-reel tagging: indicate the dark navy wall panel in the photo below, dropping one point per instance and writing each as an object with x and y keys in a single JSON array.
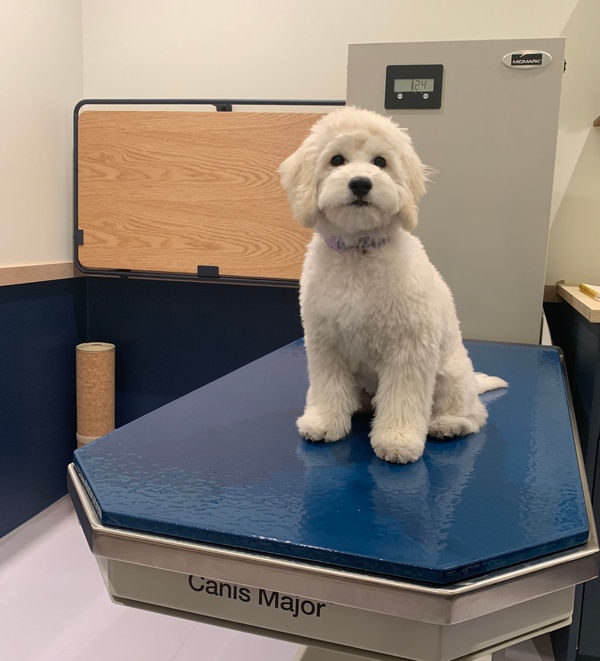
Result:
[
  {"x": 173, "y": 337},
  {"x": 40, "y": 325}
]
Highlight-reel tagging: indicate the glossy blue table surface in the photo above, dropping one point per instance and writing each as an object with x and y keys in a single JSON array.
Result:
[{"x": 225, "y": 465}]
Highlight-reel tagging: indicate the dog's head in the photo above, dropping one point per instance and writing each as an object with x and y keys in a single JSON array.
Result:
[{"x": 357, "y": 171}]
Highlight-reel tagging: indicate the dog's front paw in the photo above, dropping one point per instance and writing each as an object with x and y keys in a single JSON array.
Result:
[
  {"x": 398, "y": 445},
  {"x": 317, "y": 426}
]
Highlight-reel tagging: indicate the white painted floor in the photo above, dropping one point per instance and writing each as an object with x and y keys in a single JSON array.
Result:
[{"x": 54, "y": 607}]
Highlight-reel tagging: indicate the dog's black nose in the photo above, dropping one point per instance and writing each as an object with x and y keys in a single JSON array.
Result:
[{"x": 360, "y": 186}]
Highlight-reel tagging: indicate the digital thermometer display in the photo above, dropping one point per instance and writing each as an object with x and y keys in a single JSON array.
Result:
[{"x": 414, "y": 86}]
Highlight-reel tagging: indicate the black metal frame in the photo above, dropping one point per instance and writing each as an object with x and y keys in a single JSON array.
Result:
[{"x": 221, "y": 105}]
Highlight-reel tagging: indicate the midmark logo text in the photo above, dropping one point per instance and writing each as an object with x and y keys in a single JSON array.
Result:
[{"x": 526, "y": 59}]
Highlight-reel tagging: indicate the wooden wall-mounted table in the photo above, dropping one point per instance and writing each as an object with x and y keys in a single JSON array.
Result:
[{"x": 188, "y": 193}]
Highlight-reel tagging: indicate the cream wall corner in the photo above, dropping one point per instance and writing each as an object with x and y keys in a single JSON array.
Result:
[
  {"x": 574, "y": 243},
  {"x": 575, "y": 231},
  {"x": 42, "y": 79}
]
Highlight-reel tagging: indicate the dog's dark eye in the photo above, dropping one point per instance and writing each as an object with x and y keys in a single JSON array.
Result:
[
  {"x": 379, "y": 161},
  {"x": 337, "y": 160}
]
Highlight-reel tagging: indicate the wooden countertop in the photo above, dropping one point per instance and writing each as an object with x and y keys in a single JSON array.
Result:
[{"x": 583, "y": 303}]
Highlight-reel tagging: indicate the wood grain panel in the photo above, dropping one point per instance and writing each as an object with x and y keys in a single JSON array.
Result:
[{"x": 169, "y": 191}]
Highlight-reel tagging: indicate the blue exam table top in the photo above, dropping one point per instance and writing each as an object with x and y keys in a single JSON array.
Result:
[{"x": 225, "y": 465}]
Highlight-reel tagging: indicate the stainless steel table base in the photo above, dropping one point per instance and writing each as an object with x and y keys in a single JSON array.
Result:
[
  {"x": 376, "y": 635},
  {"x": 335, "y": 612}
]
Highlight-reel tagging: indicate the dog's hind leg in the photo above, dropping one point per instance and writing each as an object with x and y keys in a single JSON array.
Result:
[
  {"x": 446, "y": 426},
  {"x": 457, "y": 409}
]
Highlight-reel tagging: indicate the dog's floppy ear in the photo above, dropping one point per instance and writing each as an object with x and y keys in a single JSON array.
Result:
[
  {"x": 418, "y": 176},
  {"x": 298, "y": 177}
]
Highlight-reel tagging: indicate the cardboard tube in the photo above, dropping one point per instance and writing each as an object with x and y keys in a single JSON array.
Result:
[{"x": 95, "y": 364}]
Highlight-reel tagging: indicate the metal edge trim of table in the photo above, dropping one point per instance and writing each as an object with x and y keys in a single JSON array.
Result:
[{"x": 438, "y": 605}]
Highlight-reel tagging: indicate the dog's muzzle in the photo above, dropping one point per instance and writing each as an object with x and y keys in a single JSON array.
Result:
[{"x": 360, "y": 187}]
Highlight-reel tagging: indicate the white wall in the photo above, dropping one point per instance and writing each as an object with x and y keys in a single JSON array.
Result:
[
  {"x": 252, "y": 49},
  {"x": 574, "y": 239},
  {"x": 298, "y": 49},
  {"x": 274, "y": 48},
  {"x": 40, "y": 80}
]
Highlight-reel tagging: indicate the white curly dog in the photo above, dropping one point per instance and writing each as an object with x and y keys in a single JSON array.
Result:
[{"x": 379, "y": 320}]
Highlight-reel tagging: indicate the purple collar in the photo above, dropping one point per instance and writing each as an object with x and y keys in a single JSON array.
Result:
[{"x": 362, "y": 245}]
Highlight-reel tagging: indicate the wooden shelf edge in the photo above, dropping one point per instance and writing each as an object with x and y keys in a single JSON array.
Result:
[
  {"x": 585, "y": 305},
  {"x": 30, "y": 273}
]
